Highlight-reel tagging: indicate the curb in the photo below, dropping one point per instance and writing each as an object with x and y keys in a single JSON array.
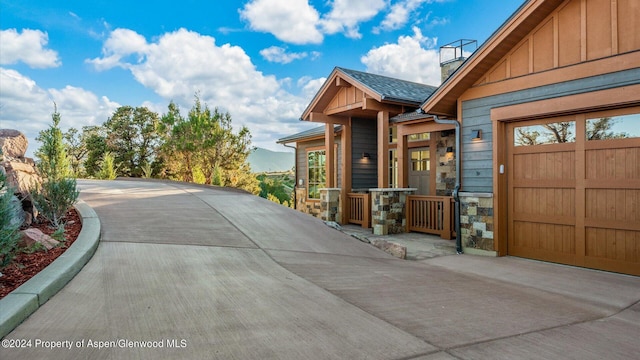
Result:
[{"x": 18, "y": 305}]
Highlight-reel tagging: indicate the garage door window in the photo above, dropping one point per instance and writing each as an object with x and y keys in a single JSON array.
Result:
[
  {"x": 614, "y": 127},
  {"x": 551, "y": 133}
]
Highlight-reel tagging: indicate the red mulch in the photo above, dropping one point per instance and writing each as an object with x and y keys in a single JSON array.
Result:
[{"x": 25, "y": 266}]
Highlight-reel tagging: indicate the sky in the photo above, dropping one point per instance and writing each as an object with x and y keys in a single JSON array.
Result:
[{"x": 260, "y": 60}]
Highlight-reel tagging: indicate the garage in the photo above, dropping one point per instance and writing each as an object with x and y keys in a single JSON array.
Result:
[{"x": 573, "y": 186}]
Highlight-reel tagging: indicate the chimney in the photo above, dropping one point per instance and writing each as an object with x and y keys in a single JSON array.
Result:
[{"x": 452, "y": 55}]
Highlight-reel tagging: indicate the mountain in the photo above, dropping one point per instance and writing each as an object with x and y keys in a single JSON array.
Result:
[{"x": 263, "y": 160}]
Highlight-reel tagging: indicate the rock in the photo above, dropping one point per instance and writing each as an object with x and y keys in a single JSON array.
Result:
[
  {"x": 21, "y": 176},
  {"x": 394, "y": 249},
  {"x": 13, "y": 143},
  {"x": 31, "y": 236},
  {"x": 17, "y": 214},
  {"x": 20, "y": 171},
  {"x": 333, "y": 224}
]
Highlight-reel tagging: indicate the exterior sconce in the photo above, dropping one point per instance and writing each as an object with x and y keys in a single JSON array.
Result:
[
  {"x": 366, "y": 155},
  {"x": 449, "y": 150},
  {"x": 476, "y": 134}
]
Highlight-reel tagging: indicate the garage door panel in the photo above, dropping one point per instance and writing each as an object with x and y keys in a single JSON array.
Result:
[
  {"x": 544, "y": 236},
  {"x": 545, "y": 165},
  {"x": 621, "y": 205},
  {"x": 615, "y": 164},
  {"x": 553, "y": 202}
]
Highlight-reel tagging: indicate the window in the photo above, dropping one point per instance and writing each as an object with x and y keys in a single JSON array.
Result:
[
  {"x": 613, "y": 127},
  {"x": 420, "y": 160},
  {"x": 393, "y": 135},
  {"x": 551, "y": 133},
  {"x": 316, "y": 178},
  {"x": 393, "y": 168},
  {"x": 419, "y": 137}
]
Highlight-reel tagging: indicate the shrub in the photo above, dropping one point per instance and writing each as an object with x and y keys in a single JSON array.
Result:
[
  {"x": 9, "y": 235},
  {"x": 108, "y": 169}
]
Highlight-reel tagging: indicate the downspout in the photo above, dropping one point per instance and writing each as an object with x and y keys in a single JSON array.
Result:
[
  {"x": 295, "y": 173},
  {"x": 456, "y": 189}
]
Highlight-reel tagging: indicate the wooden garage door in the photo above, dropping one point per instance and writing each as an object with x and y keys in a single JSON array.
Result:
[{"x": 574, "y": 190}]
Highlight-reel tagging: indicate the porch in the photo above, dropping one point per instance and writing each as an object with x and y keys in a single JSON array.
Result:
[{"x": 413, "y": 213}]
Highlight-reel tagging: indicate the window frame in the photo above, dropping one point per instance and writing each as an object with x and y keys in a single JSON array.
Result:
[{"x": 322, "y": 168}]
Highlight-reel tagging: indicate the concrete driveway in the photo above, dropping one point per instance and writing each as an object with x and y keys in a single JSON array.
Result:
[{"x": 194, "y": 272}]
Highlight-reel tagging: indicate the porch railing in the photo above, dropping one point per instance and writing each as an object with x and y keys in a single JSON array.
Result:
[
  {"x": 431, "y": 215},
  {"x": 359, "y": 209}
]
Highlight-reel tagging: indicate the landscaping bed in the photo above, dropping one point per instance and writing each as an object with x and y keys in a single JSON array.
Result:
[{"x": 27, "y": 264}]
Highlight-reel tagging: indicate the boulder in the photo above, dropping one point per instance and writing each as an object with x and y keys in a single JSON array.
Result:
[
  {"x": 22, "y": 175},
  {"x": 32, "y": 235},
  {"x": 13, "y": 143},
  {"x": 392, "y": 248},
  {"x": 20, "y": 171}
]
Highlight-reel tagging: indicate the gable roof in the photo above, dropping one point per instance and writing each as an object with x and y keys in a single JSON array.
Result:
[
  {"x": 307, "y": 134},
  {"x": 444, "y": 100},
  {"x": 383, "y": 89},
  {"x": 391, "y": 89}
]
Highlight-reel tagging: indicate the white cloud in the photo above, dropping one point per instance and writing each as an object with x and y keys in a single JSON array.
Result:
[
  {"x": 121, "y": 44},
  {"x": 345, "y": 16},
  {"x": 412, "y": 58},
  {"x": 399, "y": 15},
  {"x": 27, "y": 107},
  {"x": 280, "y": 55},
  {"x": 27, "y": 47},
  {"x": 310, "y": 87},
  {"x": 292, "y": 21},
  {"x": 179, "y": 64}
]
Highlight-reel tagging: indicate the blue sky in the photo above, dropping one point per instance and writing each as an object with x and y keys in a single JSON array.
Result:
[{"x": 260, "y": 60}]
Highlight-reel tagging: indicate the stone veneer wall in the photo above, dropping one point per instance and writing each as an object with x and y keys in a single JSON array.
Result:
[
  {"x": 476, "y": 220},
  {"x": 388, "y": 210},
  {"x": 312, "y": 208},
  {"x": 446, "y": 168},
  {"x": 330, "y": 205}
]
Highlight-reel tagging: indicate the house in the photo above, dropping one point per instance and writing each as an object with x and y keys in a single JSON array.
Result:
[{"x": 547, "y": 118}]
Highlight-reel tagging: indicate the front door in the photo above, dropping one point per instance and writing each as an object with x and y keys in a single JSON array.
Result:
[{"x": 419, "y": 169}]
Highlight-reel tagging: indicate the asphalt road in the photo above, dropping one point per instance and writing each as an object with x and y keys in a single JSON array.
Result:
[{"x": 195, "y": 272}]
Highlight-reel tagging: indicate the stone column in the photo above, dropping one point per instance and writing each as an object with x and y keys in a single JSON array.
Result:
[
  {"x": 388, "y": 210},
  {"x": 330, "y": 204},
  {"x": 476, "y": 221}
]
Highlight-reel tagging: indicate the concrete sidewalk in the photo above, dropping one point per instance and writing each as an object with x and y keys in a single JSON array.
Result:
[{"x": 197, "y": 272}]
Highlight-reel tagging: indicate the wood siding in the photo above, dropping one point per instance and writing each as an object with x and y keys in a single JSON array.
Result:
[
  {"x": 477, "y": 156},
  {"x": 365, "y": 172},
  {"x": 577, "y": 31},
  {"x": 346, "y": 99}
]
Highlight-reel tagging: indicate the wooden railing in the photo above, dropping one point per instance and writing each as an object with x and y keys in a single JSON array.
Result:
[
  {"x": 431, "y": 214},
  {"x": 359, "y": 209}
]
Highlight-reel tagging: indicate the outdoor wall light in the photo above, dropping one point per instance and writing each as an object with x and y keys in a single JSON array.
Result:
[
  {"x": 476, "y": 134},
  {"x": 449, "y": 149},
  {"x": 366, "y": 155}
]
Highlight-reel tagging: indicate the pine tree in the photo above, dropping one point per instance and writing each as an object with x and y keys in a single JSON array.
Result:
[{"x": 58, "y": 192}]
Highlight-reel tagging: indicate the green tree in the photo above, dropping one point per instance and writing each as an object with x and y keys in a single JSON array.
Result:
[
  {"x": 95, "y": 140},
  {"x": 76, "y": 150},
  {"x": 132, "y": 137},
  {"x": 204, "y": 144},
  {"x": 58, "y": 191}
]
